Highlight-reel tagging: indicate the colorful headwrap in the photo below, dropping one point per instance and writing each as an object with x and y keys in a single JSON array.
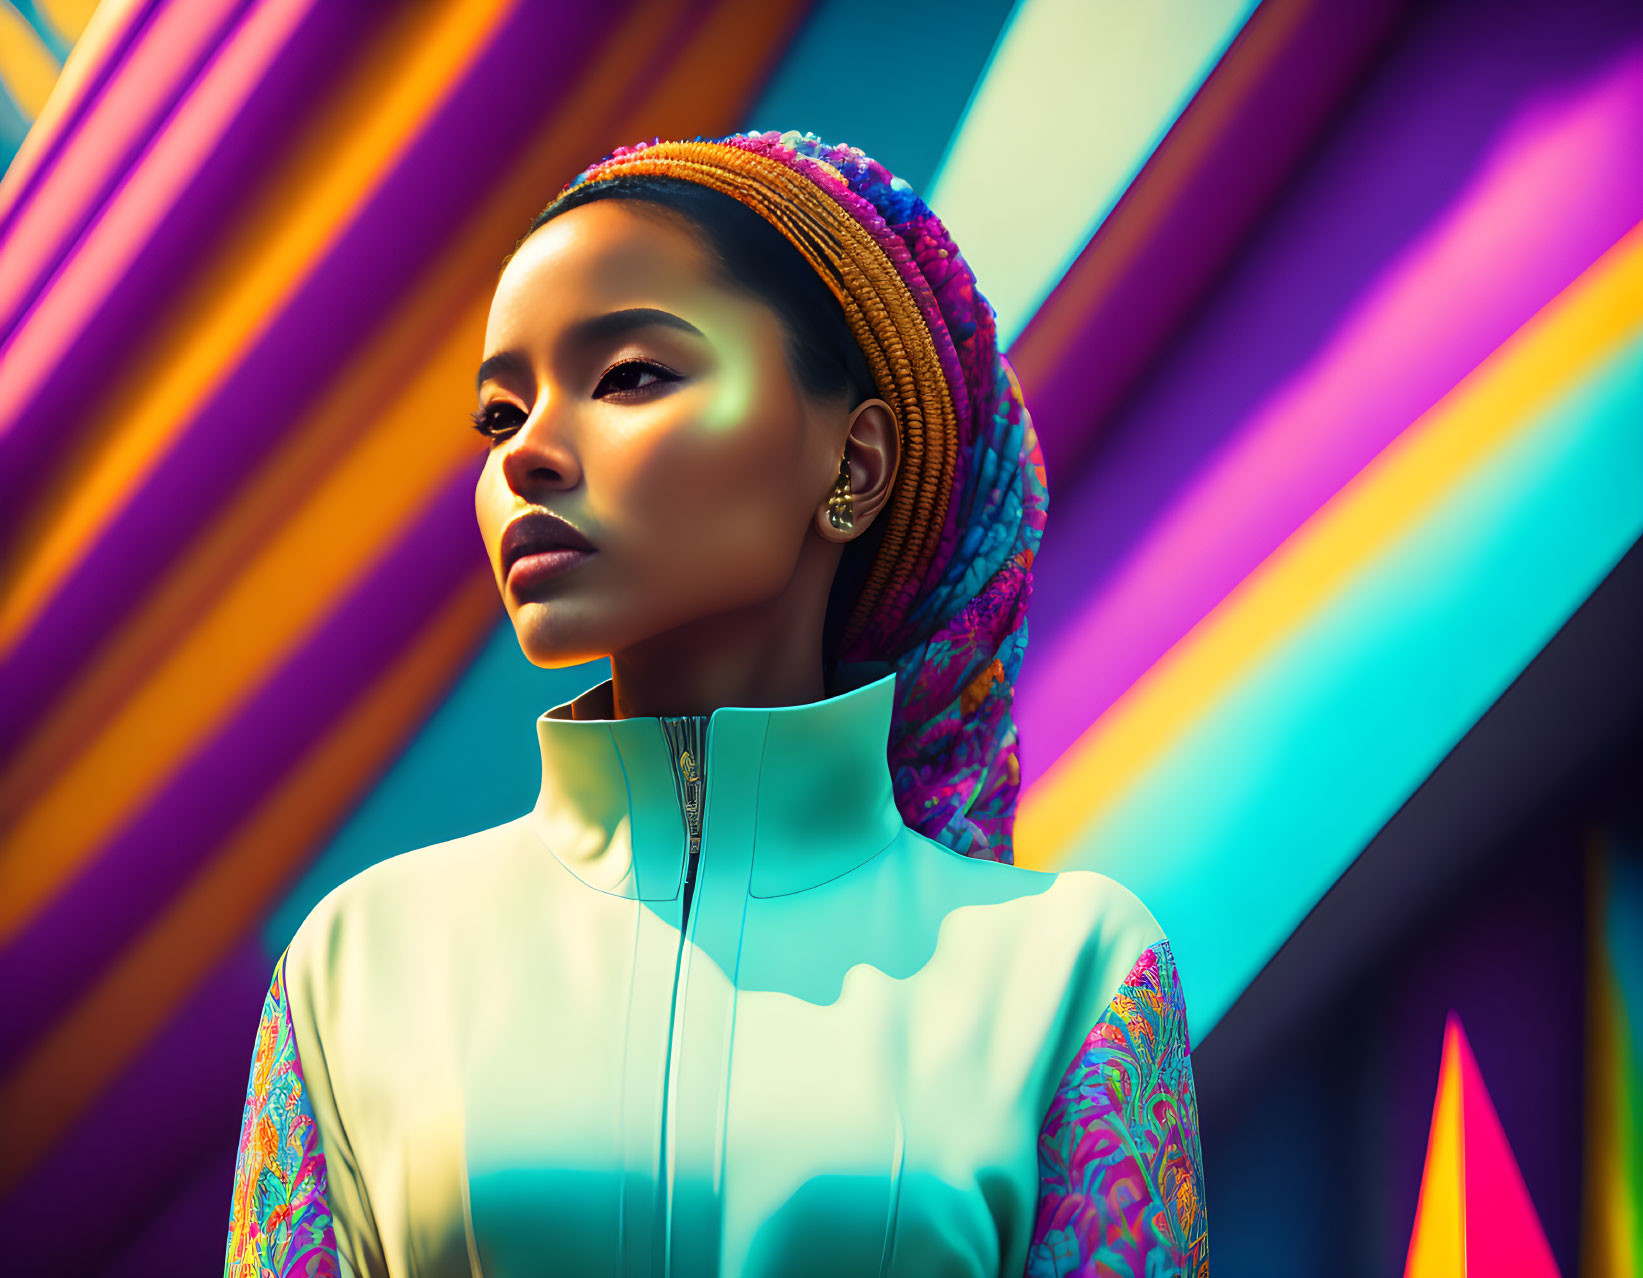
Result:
[{"x": 945, "y": 601}]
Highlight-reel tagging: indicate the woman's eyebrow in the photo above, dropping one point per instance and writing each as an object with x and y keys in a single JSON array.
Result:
[
  {"x": 594, "y": 329},
  {"x": 615, "y": 323},
  {"x": 506, "y": 362}
]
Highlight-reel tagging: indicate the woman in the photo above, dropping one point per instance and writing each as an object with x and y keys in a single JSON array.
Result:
[{"x": 755, "y": 987}]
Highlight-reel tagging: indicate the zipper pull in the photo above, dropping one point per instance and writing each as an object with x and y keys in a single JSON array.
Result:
[
  {"x": 692, "y": 780},
  {"x": 686, "y": 738}
]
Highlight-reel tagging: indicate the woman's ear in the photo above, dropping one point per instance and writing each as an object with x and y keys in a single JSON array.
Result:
[{"x": 873, "y": 446}]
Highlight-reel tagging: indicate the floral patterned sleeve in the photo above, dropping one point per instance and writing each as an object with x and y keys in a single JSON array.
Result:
[
  {"x": 1121, "y": 1171},
  {"x": 280, "y": 1222}
]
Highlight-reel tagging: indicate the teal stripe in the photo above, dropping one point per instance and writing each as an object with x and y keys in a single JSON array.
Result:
[
  {"x": 892, "y": 79},
  {"x": 1075, "y": 100},
  {"x": 474, "y": 764},
  {"x": 1238, "y": 831},
  {"x": 14, "y": 126}
]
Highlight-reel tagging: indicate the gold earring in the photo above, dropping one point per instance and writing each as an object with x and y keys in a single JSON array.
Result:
[{"x": 838, "y": 502}]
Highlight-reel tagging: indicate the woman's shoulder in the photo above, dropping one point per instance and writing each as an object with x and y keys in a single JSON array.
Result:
[
  {"x": 1111, "y": 929},
  {"x": 1084, "y": 902},
  {"x": 1111, "y": 909},
  {"x": 1120, "y": 973},
  {"x": 1079, "y": 922},
  {"x": 420, "y": 888}
]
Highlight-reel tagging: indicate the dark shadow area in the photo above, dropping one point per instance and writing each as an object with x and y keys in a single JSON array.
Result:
[{"x": 1316, "y": 1089}]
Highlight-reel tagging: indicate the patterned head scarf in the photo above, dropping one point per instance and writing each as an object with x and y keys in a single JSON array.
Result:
[{"x": 944, "y": 603}]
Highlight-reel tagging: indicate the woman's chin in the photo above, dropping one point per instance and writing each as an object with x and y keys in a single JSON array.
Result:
[{"x": 550, "y": 644}]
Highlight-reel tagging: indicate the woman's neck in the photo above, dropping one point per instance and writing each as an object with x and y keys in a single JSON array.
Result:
[{"x": 721, "y": 661}]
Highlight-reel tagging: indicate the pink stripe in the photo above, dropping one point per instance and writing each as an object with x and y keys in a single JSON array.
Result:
[
  {"x": 48, "y": 137},
  {"x": 95, "y": 154},
  {"x": 35, "y": 351},
  {"x": 1552, "y": 189},
  {"x": 1504, "y": 1234}
]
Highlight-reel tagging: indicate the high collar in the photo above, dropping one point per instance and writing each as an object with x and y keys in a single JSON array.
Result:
[{"x": 815, "y": 778}]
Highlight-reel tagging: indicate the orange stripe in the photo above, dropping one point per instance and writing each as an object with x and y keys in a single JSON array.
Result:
[
  {"x": 344, "y": 156},
  {"x": 706, "y": 88},
  {"x": 1138, "y": 217},
  {"x": 121, "y": 1015},
  {"x": 351, "y": 517},
  {"x": 372, "y": 391},
  {"x": 80, "y": 1055}
]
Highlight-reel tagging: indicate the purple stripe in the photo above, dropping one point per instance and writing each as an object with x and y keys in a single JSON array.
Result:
[
  {"x": 1461, "y": 195},
  {"x": 102, "y": 304},
  {"x": 176, "y": 1106},
  {"x": 189, "y": 1234},
  {"x": 358, "y": 286},
  {"x": 68, "y": 945},
  {"x": 1255, "y": 150}
]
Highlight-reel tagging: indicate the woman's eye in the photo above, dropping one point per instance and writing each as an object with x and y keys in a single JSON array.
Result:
[
  {"x": 496, "y": 420},
  {"x": 628, "y": 377}
]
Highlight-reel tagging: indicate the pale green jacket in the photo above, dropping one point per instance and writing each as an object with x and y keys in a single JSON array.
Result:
[{"x": 710, "y": 1007}]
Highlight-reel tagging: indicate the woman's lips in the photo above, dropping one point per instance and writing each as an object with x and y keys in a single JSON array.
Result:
[{"x": 545, "y": 565}]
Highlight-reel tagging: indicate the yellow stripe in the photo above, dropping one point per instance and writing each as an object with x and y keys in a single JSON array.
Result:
[
  {"x": 26, "y": 65},
  {"x": 1437, "y": 1246},
  {"x": 1561, "y": 343},
  {"x": 69, "y": 17},
  {"x": 76, "y": 1060},
  {"x": 343, "y": 159}
]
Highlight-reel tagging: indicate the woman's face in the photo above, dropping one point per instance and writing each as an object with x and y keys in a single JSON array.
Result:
[{"x": 649, "y": 405}]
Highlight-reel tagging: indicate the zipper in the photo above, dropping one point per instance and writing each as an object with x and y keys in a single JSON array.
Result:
[{"x": 687, "y": 741}]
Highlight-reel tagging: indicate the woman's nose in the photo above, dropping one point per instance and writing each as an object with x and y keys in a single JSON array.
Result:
[{"x": 541, "y": 455}]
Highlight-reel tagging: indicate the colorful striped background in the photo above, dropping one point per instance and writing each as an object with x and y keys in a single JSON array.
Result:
[{"x": 1332, "y": 323}]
